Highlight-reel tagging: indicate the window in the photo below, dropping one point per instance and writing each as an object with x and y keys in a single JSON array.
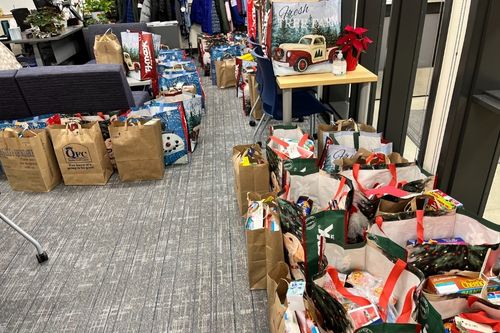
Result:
[{"x": 305, "y": 41}]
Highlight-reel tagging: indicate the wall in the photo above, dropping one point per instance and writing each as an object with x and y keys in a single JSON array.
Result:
[{"x": 7, "y": 5}]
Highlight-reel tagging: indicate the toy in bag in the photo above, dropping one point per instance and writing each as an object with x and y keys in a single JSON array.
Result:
[
  {"x": 218, "y": 53},
  {"x": 174, "y": 131},
  {"x": 180, "y": 79}
]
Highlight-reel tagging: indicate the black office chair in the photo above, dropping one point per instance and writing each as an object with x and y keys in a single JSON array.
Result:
[{"x": 20, "y": 15}]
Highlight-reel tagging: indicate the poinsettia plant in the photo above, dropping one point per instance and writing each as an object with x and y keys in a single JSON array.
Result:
[{"x": 353, "y": 42}]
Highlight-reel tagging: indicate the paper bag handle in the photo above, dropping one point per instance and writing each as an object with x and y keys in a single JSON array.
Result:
[
  {"x": 139, "y": 124},
  {"x": 75, "y": 131},
  {"x": 16, "y": 134},
  {"x": 105, "y": 35},
  {"x": 341, "y": 122}
]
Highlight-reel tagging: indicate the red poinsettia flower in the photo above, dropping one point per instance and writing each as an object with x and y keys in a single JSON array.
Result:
[{"x": 354, "y": 39}]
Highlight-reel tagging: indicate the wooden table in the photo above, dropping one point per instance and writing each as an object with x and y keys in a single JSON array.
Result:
[
  {"x": 360, "y": 76},
  {"x": 63, "y": 46}
]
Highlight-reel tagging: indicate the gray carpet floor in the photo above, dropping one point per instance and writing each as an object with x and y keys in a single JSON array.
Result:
[{"x": 159, "y": 256}]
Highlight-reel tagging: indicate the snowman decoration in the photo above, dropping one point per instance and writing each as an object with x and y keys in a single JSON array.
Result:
[{"x": 172, "y": 143}]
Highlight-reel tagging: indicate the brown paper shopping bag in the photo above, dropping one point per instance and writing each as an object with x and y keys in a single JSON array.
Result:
[
  {"x": 138, "y": 149},
  {"x": 251, "y": 178},
  {"x": 254, "y": 94},
  {"x": 107, "y": 49},
  {"x": 225, "y": 73},
  {"x": 29, "y": 161},
  {"x": 264, "y": 246},
  {"x": 81, "y": 153},
  {"x": 277, "y": 285}
]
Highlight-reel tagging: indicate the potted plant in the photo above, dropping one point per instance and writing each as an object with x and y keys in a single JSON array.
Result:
[
  {"x": 99, "y": 10},
  {"x": 46, "y": 22},
  {"x": 353, "y": 42}
]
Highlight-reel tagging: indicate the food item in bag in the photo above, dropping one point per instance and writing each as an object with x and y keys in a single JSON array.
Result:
[
  {"x": 456, "y": 284},
  {"x": 306, "y": 204}
]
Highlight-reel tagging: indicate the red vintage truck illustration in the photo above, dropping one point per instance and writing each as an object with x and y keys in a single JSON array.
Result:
[{"x": 310, "y": 50}]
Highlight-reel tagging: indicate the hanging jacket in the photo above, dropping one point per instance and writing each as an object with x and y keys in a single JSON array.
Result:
[
  {"x": 238, "y": 21},
  {"x": 215, "y": 21},
  {"x": 221, "y": 13},
  {"x": 121, "y": 6},
  {"x": 201, "y": 13}
]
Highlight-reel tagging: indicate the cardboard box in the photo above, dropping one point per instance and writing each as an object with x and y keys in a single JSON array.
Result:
[
  {"x": 456, "y": 284},
  {"x": 251, "y": 178}
]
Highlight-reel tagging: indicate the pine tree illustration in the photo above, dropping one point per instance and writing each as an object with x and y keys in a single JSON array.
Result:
[{"x": 309, "y": 24}]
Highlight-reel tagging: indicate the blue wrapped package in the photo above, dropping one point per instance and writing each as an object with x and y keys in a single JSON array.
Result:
[
  {"x": 174, "y": 131},
  {"x": 174, "y": 66},
  {"x": 180, "y": 79},
  {"x": 193, "y": 111},
  {"x": 172, "y": 55}
]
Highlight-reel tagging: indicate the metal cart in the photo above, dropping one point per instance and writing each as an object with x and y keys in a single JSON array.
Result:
[{"x": 41, "y": 253}]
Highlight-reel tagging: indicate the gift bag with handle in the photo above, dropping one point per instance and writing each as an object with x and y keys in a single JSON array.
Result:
[
  {"x": 107, "y": 49},
  {"x": 218, "y": 53},
  {"x": 328, "y": 218},
  {"x": 81, "y": 153},
  {"x": 225, "y": 71},
  {"x": 394, "y": 295},
  {"x": 138, "y": 149},
  {"x": 264, "y": 239},
  {"x": 286, "y": 142},
  {"x": 478, "y": 234},
  {"x": 28, "y": 160}
]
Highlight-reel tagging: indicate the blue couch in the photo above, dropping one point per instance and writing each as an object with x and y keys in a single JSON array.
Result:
[{"x": 37, "y": 91}]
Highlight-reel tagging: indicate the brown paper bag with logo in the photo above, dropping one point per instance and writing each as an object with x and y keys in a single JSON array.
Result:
[
  {"x": 254, "y": 94},
  {"x": 252, "y": 178},
  {"x": 138, "y": 149},
  {"x": 81, "y": 153},
  {"x": 107, "y": 49},
  {"x": 225, "y": 73},
  {"x": 29, "y": 162}
]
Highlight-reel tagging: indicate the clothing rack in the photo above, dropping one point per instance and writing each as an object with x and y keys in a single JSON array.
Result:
[{"x": 41, "y": 253}]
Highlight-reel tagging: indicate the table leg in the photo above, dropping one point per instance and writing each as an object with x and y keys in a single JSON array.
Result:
[
  {"x": 364, "y": 99},
  {"x": 38, "y": 56},
  {"x": 287, "y": 106},
  {"x": 319, "y": 94}
]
